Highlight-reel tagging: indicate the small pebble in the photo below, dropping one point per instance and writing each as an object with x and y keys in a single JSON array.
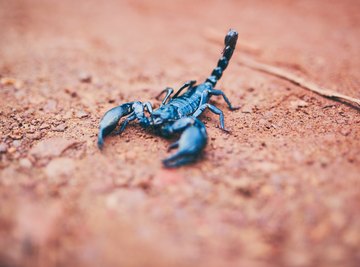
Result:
[
  {"x": 60, "y": 128},
  {"x": 3, "y": 147},
  {"x": 59, "y": 168},
  {"x": 71, "y": 92},
  {"x": 11, "y": 81},
  {"x": 81, "y": 114},
  {"x": 51, "y": 147},
  {"x": 247, "y": 109},
  {"x": 262, "y": 121},
  {"x": 85, "y": 77},
  {"x": 12, "y": 150},
  {"x": 25, "y": 163},
  {"x": 298, "y": 104},
  {"x": 34, "y": 136},
  {"x": 44, "y": 126},
  {"x": 17, "y": 143},
  {"x": 50, "y": 106},
  {"x": 16, "y": 135},
  {"x": 31, "y": 129},
  {"x": 345, "y": 131},
  {"x": 67, "y": 115},
  {"x": 58, "y": 117}
]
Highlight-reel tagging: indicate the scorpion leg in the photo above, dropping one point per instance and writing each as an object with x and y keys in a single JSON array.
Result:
[
  {"x": 214, "y": 110},
  {"x": 168, "y": 91},
  {"x": 191, "y": 143},
  {"x": 219, "y": 92},
  {"x": 189, "y": 84},
  {"x": 123, "y": 125},
  {"x": 148, "y": 107},
  {"x": 138, "y": 113}
]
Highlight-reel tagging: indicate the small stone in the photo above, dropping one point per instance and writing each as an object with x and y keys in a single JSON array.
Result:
[
  {"x": 29, "y": 112},
  {"x": 71, "y": 92},
  {"x": 25, "y": 163},
  {"x": 17, "y": 143},
  {"x": 59, "y": 168},
  {"x": 60, "y": 128},
  {"x": 58, "y": 117},
  {"x": 67, "y": 115},
  {"x": 11, "y": 81},
  {"x": 262, "y": 121},
  {"x": 31, "y": 129},
  {"x": 13, "y": 125},
  {"x": 44, "y": 126},
  {"x": 34, "y": 136},
  {"x": 81, "y": 114},
  {"x": 247, "y": 109},
  {"x": 3, "y": 147},
  {"x": 267, "y": 190},
  {"x": 268, "y": 115},
  {"x": 298, "y": 104},
  {"x": 345, "y": 131},
  {"x": 18, "y": 118},
  {"x": 12, "y": 150},
  {"x": 51, "y": 147},
  {"x": 16, "y": 135},
  {"x": 85, "y": 77},
  {"x": 50, "y": 106},
  {"x": 266, "y": 166}
]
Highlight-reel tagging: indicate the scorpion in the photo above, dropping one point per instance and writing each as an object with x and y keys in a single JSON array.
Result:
[{"x": 178, "y": 113}]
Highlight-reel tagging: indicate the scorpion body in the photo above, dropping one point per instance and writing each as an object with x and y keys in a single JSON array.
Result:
[{"x": 177, "y": 113}]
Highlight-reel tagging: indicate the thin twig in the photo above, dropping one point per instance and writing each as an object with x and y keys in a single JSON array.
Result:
[
  {"x": 216, "y": 37},
  {"x": 250, "y": 63}
]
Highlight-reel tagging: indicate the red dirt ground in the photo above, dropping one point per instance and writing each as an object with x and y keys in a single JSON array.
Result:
[{"x": 281, "y": 190}]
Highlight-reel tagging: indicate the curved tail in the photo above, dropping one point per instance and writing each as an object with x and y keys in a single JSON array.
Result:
[{"x": 230, "y": 43}]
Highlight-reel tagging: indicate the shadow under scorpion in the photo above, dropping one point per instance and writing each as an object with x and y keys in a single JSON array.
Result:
[{"x": 177, "y": 113}]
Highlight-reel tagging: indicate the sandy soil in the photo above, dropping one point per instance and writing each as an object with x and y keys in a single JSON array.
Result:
[{"x": 281, "y": 190}]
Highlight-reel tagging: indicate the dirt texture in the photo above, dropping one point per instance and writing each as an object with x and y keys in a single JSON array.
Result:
[{"x": 282, "y": 189}]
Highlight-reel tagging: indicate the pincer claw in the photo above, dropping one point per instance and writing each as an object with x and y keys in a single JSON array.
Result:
[
  {"x": 110, "y": 120},
  {"x": 191, "y": 143}
]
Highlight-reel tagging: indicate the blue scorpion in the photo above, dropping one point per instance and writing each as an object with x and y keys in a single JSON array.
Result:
[{"x": 177, "y": 113}]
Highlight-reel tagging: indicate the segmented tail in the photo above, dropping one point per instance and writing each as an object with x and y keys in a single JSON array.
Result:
[{"x": 230, "y": 43}]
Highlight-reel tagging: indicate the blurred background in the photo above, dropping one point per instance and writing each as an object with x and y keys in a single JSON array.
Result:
[{"x": 281, "y": 190}]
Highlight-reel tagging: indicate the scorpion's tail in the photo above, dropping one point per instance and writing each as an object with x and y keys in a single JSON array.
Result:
[{"x": 230, "y": 43}]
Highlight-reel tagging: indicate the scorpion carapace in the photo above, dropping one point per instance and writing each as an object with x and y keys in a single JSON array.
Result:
[{"x": 177, "y": 113}]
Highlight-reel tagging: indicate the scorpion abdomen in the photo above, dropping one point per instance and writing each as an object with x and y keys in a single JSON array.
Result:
[
  {"x": 186, "y": 105},
  {"x": 189, "y": 102}
]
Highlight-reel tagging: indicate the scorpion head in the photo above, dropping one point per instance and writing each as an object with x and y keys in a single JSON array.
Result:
[{"x": 164, "y": 114}]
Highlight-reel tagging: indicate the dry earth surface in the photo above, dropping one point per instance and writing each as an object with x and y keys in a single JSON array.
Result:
[{"x": 281, "y": 190}]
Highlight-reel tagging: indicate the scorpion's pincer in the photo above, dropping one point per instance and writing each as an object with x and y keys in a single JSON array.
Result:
[
  {"x": 110, "y": 120},
  {"x": 191, "y": 143}
]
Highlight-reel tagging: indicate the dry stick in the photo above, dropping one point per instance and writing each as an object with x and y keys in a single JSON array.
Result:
[
  {"x": 216, "y": 37},
  {"x": 250, "y": 63}
]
